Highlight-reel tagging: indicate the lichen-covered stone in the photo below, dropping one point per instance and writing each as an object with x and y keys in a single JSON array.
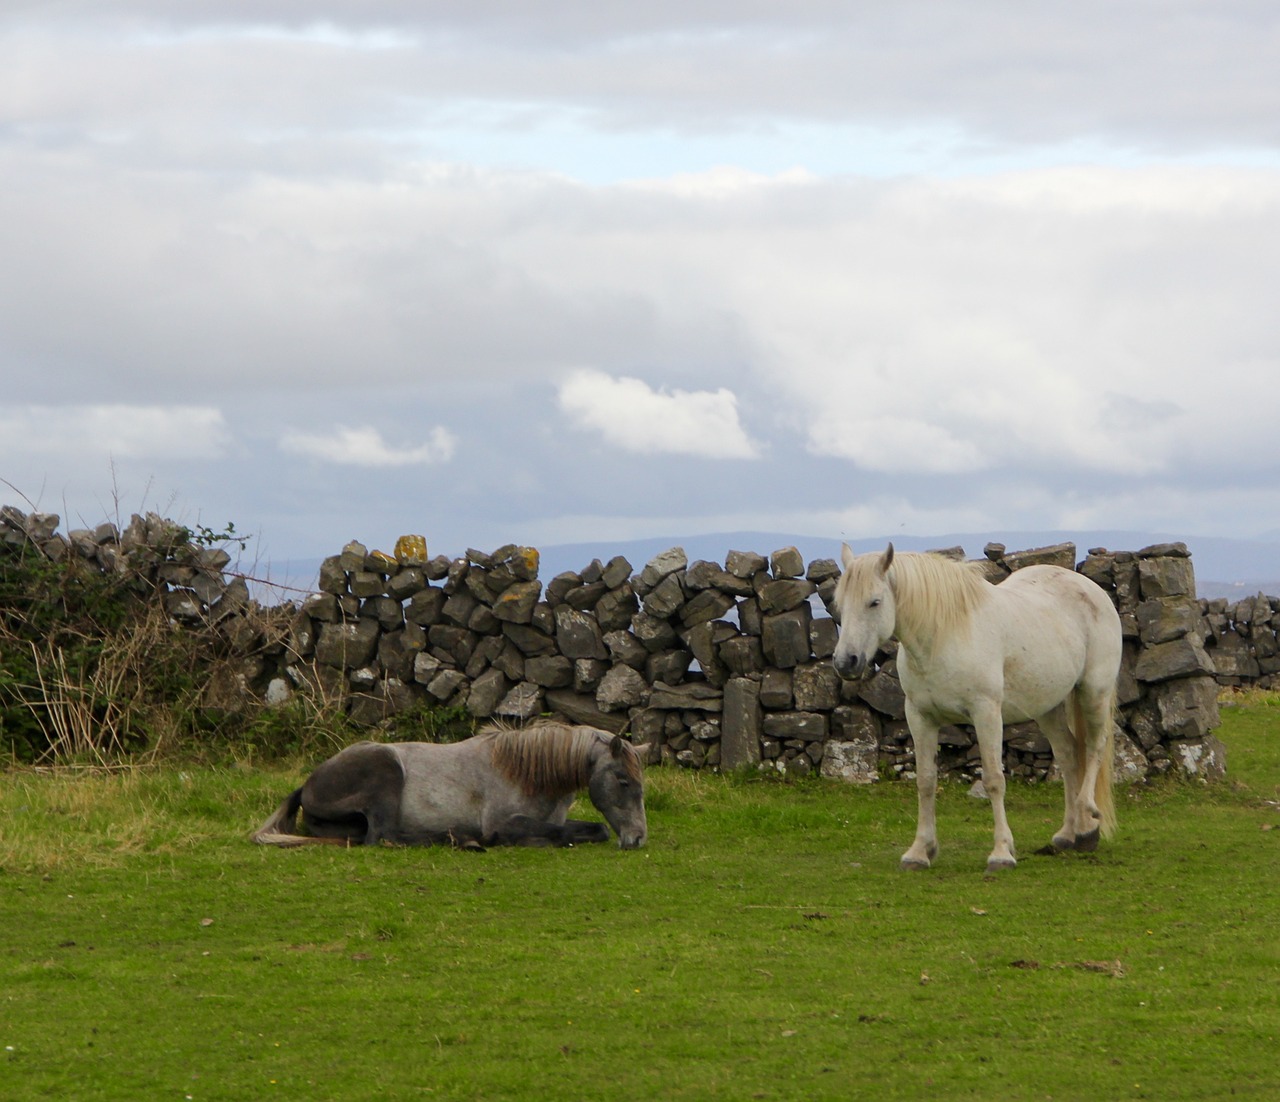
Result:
[
  {"x": 487, "y": 691},
  {"x": 1183, "y": 657},
  {"x": 578, "y": 635},
  {"x": 694, "y": 696},
  {"x": 659, "y": 567},
  {"x": 346, "y": 646},
  {"x": 516, "y": 604},
  {"x": 621, "y": 688},
  {"x": 745, "y": 564},
  {"x": 785, "y": 637},
  {"x": 786, "y": 563},
  {"x": 816, "y": 687}
]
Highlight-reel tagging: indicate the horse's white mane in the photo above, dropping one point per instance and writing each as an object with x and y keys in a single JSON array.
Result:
[
  {"x": 934, "y": 595},
  {"x": 550, "y": 758}
]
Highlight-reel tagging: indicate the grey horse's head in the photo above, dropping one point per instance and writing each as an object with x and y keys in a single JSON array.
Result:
[{"x": 616, "y": 788}]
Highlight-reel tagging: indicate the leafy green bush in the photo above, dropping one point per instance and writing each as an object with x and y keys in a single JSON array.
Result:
[{"x": 55, "y": 622}]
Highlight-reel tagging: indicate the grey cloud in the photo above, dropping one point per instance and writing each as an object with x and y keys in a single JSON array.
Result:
[
  {"x": 237, "y": 206},
  {"x": 181, "y": 278},
  {"x": 1174, "y": 77}
]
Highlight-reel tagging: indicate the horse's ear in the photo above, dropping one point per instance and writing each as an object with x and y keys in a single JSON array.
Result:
[
  {"x": 886, "y": 560},
  {"x": 615, "y": 746},
  {"x": 643, "y": 750},
  {"x": 846, "y": 555}
]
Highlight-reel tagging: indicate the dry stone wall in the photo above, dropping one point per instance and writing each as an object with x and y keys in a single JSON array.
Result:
[
  {"x": 711, "y": 664},
  {"x": 1241, "y": 639}
]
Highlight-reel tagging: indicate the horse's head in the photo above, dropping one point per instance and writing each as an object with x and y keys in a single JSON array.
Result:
[
  {"x": 616, "y": 789},
  {"x": 864, "y": 606}
]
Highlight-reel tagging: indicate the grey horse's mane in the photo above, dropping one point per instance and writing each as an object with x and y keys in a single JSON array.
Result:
[{"x": 550, "y": 758}]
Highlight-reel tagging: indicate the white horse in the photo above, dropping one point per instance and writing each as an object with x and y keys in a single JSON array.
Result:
[{"x": 1044, "y": 645}]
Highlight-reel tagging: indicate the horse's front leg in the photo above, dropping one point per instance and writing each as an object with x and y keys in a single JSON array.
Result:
[
  {"x": 989, "y": 727},
  {"x": 525, "y": 830},
  {"x": 924, "y": 737},
  {"x": 584, "y": 831}
]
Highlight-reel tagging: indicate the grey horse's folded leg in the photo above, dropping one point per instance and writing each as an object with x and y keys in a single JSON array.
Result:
[
  {"x": 522, "y": 830},
  {"x": 581, "y": 832}
]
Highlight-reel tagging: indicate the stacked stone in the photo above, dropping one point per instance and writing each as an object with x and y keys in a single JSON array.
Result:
[
  {"x": 1167, "y": 691},
  {"x": 40, "y": 530},
  {"x": 723, "y": 666},
  {"x": 382, "y": 629},
  {"x": 652, "y": 652},
  {"x": 710, "y": 665},
  {"x": 734, "y": 660},
  {"x": 1242, "y": 640},
  {"x": 157, "y": 558},
  {"x": 152, "y": 553}
]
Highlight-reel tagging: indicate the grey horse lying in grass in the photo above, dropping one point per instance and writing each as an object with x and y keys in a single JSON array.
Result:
[{"x": 500, "y": 787}]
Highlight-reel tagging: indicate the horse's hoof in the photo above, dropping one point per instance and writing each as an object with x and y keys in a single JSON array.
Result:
[
  {"x": 913, "y": 864},
  {"x": 997, "y": 864},
  {"x": 1063, "y": 841},
  {"x": 1087, "y": 843}
]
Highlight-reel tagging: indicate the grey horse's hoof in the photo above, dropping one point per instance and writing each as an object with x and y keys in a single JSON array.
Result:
[
  {"x": 1087, "y": 843},
  {"x": 1063, "y": 842},
  {"x": 913, "y": 864},
  {"x": 998, "y": 864}
]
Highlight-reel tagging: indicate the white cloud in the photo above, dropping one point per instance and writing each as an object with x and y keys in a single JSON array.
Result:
[
  {"x": 984, "y": 264},
  {"x": 895, "y": 444},
  {"x": 631, "y": 415},
  {"x": 365, "y": 447},
  {"x": 117, "y": 431}
]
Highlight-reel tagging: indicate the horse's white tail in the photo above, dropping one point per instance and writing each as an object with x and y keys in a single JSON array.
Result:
[
  {"x": 281, "y": 829},
  {"x": 1102, "y": 794}
]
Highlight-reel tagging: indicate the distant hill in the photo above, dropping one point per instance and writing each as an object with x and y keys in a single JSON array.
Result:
[{"x": 1224, "y": 567}]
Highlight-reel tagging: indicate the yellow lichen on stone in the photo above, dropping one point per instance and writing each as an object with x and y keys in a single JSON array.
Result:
[{"x": 411, "y": 551}]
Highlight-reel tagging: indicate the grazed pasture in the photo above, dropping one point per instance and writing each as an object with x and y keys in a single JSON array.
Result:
[{"x": 763, "y": 946}]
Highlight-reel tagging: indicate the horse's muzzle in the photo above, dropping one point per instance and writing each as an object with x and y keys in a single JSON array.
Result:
[
  {"x": 851, "y": 667},
  {"x": 632, "y": 839}
]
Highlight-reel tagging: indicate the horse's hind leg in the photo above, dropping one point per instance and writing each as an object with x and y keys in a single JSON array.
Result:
[
  {"x": 989, "y": 727},
  {"x": 1056, "y": 730},
  {"x": 355, "y": 795},
  {"x": 924, "y": 737},
  {"x": 1095, "y": 813}
]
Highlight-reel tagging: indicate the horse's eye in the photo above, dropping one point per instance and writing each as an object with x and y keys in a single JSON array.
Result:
[{"x": 874, "y": 602}]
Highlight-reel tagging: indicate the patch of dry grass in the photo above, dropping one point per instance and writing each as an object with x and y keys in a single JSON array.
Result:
[
  {"x": 66, "y": 817},
  {"x": 1249, "y": 697}
]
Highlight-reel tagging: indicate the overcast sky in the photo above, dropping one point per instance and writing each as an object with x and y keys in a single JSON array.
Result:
[{"x": 561, "y": 272}]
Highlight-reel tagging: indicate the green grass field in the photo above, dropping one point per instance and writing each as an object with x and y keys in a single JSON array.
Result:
[{"x": 763, "y": 946}]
